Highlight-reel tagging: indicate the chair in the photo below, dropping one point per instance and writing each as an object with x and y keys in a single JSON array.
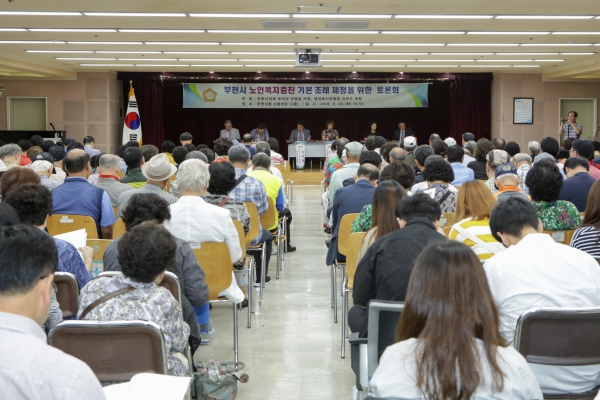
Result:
[
  {"x": 253, "y": 234},
  {"x": 447, "y": 230},
  {"x": 99, "y": 246},
  {"x": 267, "y": 220},
  {"x": 448, "y": 219},
  {"x": 169, "y": 282},
  {"x": 216, "y": 263},
  {"x": 248, "y": 270},
  {"x": 563, "y": 237},
  {"x": 63, "y": 223},
  {"x": 119, "y": 229},
  {"x": 354, "y": 245},
  {"x": 567, "y": 337},
  {"x": 67, "y": 293},
  {"x": 286, "y": 172},
  {"x": 343, "y": 235},
  {"x": 115, "y": 209},
  {"x": 383, "y": 318},
  {"x": 114, "y": 350}
]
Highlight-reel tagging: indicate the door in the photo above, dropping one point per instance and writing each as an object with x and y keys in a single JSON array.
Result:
[
  {"x": 587, "y": 114},
  {"x": 26, "y": 113}
]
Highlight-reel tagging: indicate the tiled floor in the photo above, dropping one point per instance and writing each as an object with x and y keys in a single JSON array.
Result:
[{"x": 292, "y": 350}]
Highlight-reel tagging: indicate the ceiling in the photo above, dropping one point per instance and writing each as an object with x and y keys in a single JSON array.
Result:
[{"x": 385, "y": 35}]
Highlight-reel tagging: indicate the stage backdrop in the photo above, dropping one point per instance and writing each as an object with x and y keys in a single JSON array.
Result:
[{"x": 457, "y": 103}]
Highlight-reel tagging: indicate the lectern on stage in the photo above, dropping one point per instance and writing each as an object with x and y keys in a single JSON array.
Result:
[{"x": 14, "y": 136}]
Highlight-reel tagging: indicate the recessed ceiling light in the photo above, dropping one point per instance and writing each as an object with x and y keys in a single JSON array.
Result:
[
  {"x": 196, "y": 52},
  {"x": 247, "y": 31},
  {"x": 442, "y": 16},
  {"x": 365, "y": 32},
  {"x": 503, "y": 60},
  {"x": 183, "y": 43},
  {"x": 353, "y": 72},
  {"x": 47, "y": 13},
  {"x": 423, "y": 32},
  {"x": 431, "y": 66},
  {"x": 462, "y": 54},
  {"x": 107, "y": 65},
  {"x": 85, "y": 59},
  {"x": 264, "y": 52},
  {"x": 577, "y": 54},
  {"x": 111, "y": 43},
  {"x": 126, "y": 52},
  {"x": 544, "y": 17},
  {"x": 162, "y": 30},
  {"x": 409, "y": 44},
  {"x": 208, "y": 59},
  {"x": 395, "y": 54},
  {"x": 484, "y": 44},
  {"x": 506, "y": 33},
  {"x": 342, "y": 16},
  {"x": 576, "y": 33},
  {"x": 148, "y": 59},
  {"x": 255, "y": 44},
  {"x": 32, "y": 41},
  {"x": 333, "y": 44},
  {"x": 13, "y": 30},
  {"x": 133, "y": 14},
  {"x": 555, "y": 44},
  {"x": 60, "y": 51},
  {"x": 307, "y": 72},
  {"x": 210, "y": 72},
  {"x": 237, "y": 15},
  {"x": 70, "y": 30}
]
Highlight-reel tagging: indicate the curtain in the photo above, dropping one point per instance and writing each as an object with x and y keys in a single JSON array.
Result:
[{"x": 470, "y": 108}]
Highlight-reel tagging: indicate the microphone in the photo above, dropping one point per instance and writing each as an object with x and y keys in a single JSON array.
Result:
[{"x": 52, "y": 125}]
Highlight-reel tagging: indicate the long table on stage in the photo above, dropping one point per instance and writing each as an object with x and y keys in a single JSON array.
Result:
[
  {"x": 316, "y": 149},
  {"x": 13, "y": 136}
]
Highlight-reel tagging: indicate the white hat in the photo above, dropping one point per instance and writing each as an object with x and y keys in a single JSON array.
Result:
[
  {"x": 410, "y": 141},
  {"x": 158, "y": 168}
]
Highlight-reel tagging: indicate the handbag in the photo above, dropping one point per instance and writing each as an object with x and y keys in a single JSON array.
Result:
[{"x": 224, "y": 387}]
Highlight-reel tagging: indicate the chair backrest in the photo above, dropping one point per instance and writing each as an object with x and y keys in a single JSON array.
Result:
[
  {"x": 355, "y": 242},
  {"x": 216, "y": 263},
  {"x": 345, "y": 232},
  {"x": 383, "y": 318},
  {"x": 254, "y": 222},
  {"x": 285, "y": 171},
  {"x": 267, "y": 220},
  {"x": 115, "y": 209},
  {"x": 119, "y": 229},
  {"x": 169, "y": 282},
  {"x": 559, "y": 336},
  {"x": 448, "y": 219},
  {"x": 67, "y": 293},
  {"x": 240, "y": 230},
  {"x": 447, "y": 230},
  {"x": 563, "y": 237},
  {"x": 114, "y": 350},
  {"x": 99, "y": 246},
  {"x": 63, "y": 223}
]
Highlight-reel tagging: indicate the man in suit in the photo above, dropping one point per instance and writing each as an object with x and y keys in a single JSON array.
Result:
[
  {"x": 300, "y": 133},
  {"x": 349, "y": 200},
  {"x": 402, "y": 131}
]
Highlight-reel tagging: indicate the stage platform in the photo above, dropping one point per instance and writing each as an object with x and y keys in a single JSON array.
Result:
[{"x": 307, "y": 176}]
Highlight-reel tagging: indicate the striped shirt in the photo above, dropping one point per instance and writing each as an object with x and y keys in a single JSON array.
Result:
[
  {"x": 522, "y": 172},
  {"x": 479, "y": 229},
  {"x": 587, "y": 239}
]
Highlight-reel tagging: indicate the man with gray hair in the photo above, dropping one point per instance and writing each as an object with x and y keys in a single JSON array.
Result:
[
  {"x": 470, "y": 147},
  {"x": 109, "y": 167},
  {"x": 10, "y": 154},
  {"x": 534, "y": 149},
  {"x": 494, "y": 158},
  {"x": 397, "y": 154},
  {"x": 44, "y": 169},
  {"x": 197, "y": 155},
  {"x": 523, "y": 163}
]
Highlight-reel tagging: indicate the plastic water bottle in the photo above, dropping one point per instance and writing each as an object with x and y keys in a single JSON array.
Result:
[{"x": 213, "y": 370}]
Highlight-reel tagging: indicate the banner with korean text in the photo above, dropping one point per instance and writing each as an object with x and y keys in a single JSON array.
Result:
[{"x": 305, "y": 95}]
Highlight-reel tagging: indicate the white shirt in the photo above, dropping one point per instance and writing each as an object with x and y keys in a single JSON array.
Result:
[
  {"x": 396, "y": 375},
  {"x": 467, "y": 159},
  {"x": 196, "y": 221},
  {"x": 538, "y": 272},
  {"x": 422, "y": 186},
  {"x": 339, "y": 176}
]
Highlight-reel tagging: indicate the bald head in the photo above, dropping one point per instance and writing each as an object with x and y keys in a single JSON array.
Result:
[
  {"x": 507, "y": 180},
  {"x": 397, "y": 154},
  {"x": 77, "y": 163},
  {"x": 368, "y": 172}
]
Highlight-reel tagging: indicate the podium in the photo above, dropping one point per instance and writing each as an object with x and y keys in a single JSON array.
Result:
[{"x": 14, "y": 136}]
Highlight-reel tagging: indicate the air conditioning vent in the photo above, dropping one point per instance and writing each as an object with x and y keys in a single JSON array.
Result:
[
  {"x": 293, "y": 25},
  {"x": 349, "y": 25},
  {"x": 321, "y": 9}
]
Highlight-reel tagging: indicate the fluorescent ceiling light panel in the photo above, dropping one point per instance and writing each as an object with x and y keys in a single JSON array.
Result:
[
  {"x": 378, "y": 66},
  {"x": 133, "y": 14},
  {"x": 147, "y": 59},
  {"x": 217, "y": 65},
  {"x": 556, "y": 44},
  {"x": 247, "y": 31},
  {"x": 264, "y": 52},
  {"x": 111, "y": 43},
  {"x": 344, "y": 16},
  {"x": 577, "y": 33},
  {"x": 577, "y": 54},
  {"x": 107, "y": 65},
  {"x": 209, "y": 59},
  {"x": 442, "y": 16},
  {"x": 527, "y": 54},
  {"x": 483, "y": 44},
  {"x": 409, "y": 44},
  {"x": 423, "y": 32},
  {"x": 70, "y": 30},
  {"x": 33, "y": 41},
  {"x": 270, "y": 65},
  {"x": 263, "y": 60},
  {"x": 506, "y": 33},
  {"x": 365, "y": 32},
  {"x": 183, "y": 43},
  {"x": 379, "y": 60},
  {"x": 161, "y": 65},
  {"x": 337, "y": 66},
  {"x": 162, "y": 30},
  {"x": 484, "y": 66},
  {"x": 525, "y": 66},
  {"x": 237, "y": 15},
  {"x": 459, "y": 61},
  {"x": 544, "y": 17},
  {"x": 126, "y": 52},
  {"x": 503, "y": 61},
  {"x": 197, "y": 52},
  {"x": 341, "y": 53},
  {"x": 256, "y": 44},
  {"x": 548, "y": 60},
  {"x": 13, "y": 30},
  {"x": 316, "y": 44},
  {"x": 431, "y": 66},
  {"x": 86, "y": 59},
  {"x": 461, "y": 54},
  {"x": 394, "y": 54},
  {"x": 60, "y": 51},
  {"x": 46, "y": 13}
]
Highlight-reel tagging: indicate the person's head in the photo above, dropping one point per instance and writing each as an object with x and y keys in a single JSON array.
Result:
[
  {"x": 133, "y": 143},
  {"x": 379, "y": 141},
  {"x": 273, "y": 144},
  {"x": 385, "y": 150},
  {"x": 197, "y": 154},
  {"x": 189, "y": 147},
  {"x": 8, "y": 215},
  {"x": 144, "y": 207},
  {"x": 440, "y": 147},
  {"x": 421, "y": 154},
  {"x": 36, "y": 140},
  {"x": 46, "y": 145},
  {"x": 583, "y": 149},
  {"x": 192, "y": 177},
  {"x": 222, "y": 178},
  {"x": 385, "y": 198},
  {"x": 399, "y": 172},
  {"x": 468, "y": 137},
  {"x": 158, "y": 170},
  {"x": 185, "y": 138},
  {"x": 474, "y": 201},
  {"x": 11, "y": 152},
  {"x": 471, "y": 146},
  {"x": 367, "y": 172},
  {"x": 410, "y": 143},
  {"x": 300, "y": 125},
  {"x": 179, "y": 154},
  {"x": 222, "y": 146},
  {"x": 592, "y": 208},
  {"x": 512, "y": 148},
  {"x": 263, "y": 147},
  {"x": 455, "y": 154},
  {"x": 15, "y": 176},
  {"x": 167, "y": 146},
  {"x": 512, "y": 219},
  {"x": 596, "y": 145},
  {"x": 562, "y": 156},
  {"x": 32, "y": 202},
  {"x": 482, "y": 149},
  {"x": 146, "y": 252},
  {"x": 450, "y": 141},
  {"x": 228, "y": 124},
  {"x": 149, "y": 151},
  {"x": 572, "y": 115},
  {"x": 75, "y": 146},
  {"x": 94, "y": 161},
  {"x": 88, "y": 141},
  {"x": 493, "y": 159},
  {"x": 438, "y": 170},
  {"x": 261, "y": 160},
  {"x": 448, "y": 305},
  {"x": 418, "y": 205},
  {"x": 210, "y": 155},
  {"x": 575, "y": 165},
  {"x": 534, "y": 147},
  {"x": 397, "y": 154},
  {"x": 354, "y": 151},
  {"x": 550, "y": 145},
  {"x": 567, "y": 143},
  {"x": 369, "y": 142},
  {"x": 506, "y": 175},
  {"x": 239, "y": 156},
  {"x": 544, "y": 181},
  {"x": 260, "y": 128},
  {"x": 133, "y": 157},
  {"x": 522, "y": 159},
  {"x": 433, "y": 138},
  {"x": 498, "y": 143},
  {"x": 25, "y": 145},
  {"x": 329, "y": 124},
  {"x": 341, "y": 151},
  {"x": 42, "y": 167},
  {"x": 109, "y": 165},
  {"x": 201, "y": 146},
  {"x": 373, "y": 126},
  {"x": 247, "y": 138},
  {"x": 33, "y": 150},
  {"x": 58, "y": 153},
  {"x": 370, "y": 157},
  {"x": 401, "y": 124}
]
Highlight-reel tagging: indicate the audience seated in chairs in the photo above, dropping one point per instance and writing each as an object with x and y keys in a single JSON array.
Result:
[
  {"x": 587, "y": 238},
  {"x": 276, "y": 157},
  {"x": 449, "y": 345},
  {"x": 44, "y": 167},
  {"x": 455, "y": 156},
  {"x": 353, "y": 151},
  {"x": 507, "y": 181},
  {"x": 535, "y": 271},
  {"x": 145, "y": 253},
  {"x": 384, "y": 270},
  {"x": 473, "y": 209},
  {"x": 578, "y": 183},
  {"x": 494, "y": 159},
  {"x": 421, "y": 154},
  {"x": 167, "y": 148},
  {"x": 482, "y": 149},
  {"x": 399, "y": 172},
  {"x": 438, "y": 174},
  {"x": 16, "y": 176},
  {"x": 150, "y": 207},
  {"x": 134, "y": 158},
  {"x": 108, "y": 178},
  {"x": 30, "y": 368},
  {"x": 221, "y": 148},
  {"x": 545, "y": 182},
  {"x": 365, "y": 221},
  {"x": 523, "y": 163}
]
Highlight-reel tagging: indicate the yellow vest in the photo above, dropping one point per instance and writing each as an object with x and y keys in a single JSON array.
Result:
[{"x": 272, "y": 186}]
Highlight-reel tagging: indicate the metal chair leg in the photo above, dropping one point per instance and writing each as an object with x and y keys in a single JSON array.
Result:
[
  {"x": 250, "y": 290},
  {"x": 334, "y": 288},
  {"x": 332, "y": 292},
  {"x": 235, "y": 332},
  {"x": 278, "y": 256},
  {"x": 263, "y": 271},
  {"x": 344, "y": 316}
]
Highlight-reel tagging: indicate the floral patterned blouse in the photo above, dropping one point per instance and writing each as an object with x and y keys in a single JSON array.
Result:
[
  {"x": 558, "y": 215},
  {"x": 364, "y": 221}
]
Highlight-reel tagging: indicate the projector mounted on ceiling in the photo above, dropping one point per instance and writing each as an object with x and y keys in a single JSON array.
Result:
[{"x": 308, "y": 58}]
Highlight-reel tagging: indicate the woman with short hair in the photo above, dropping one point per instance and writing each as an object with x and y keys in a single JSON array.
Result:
[{"x": 329, "y": 133}]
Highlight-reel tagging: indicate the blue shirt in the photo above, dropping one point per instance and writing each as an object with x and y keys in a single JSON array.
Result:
[
  {"x": 91, "y": 152},
  {"x": 70, "y": 261},
  {"x": 253, "y": 190},
  {"x": 258, "y": 136},
  {"x": 576, "y": 189},
  {"x": 251, "y": 149},
  {"x": 462, "y": 174}
]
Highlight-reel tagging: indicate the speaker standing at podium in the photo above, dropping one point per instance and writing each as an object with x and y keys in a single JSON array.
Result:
[{"x": 300, "y": 134}]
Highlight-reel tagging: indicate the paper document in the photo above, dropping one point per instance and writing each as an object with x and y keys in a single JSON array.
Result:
[
  {"x": 148, "y": 386},
  {"x": 76, "y": 238}
]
